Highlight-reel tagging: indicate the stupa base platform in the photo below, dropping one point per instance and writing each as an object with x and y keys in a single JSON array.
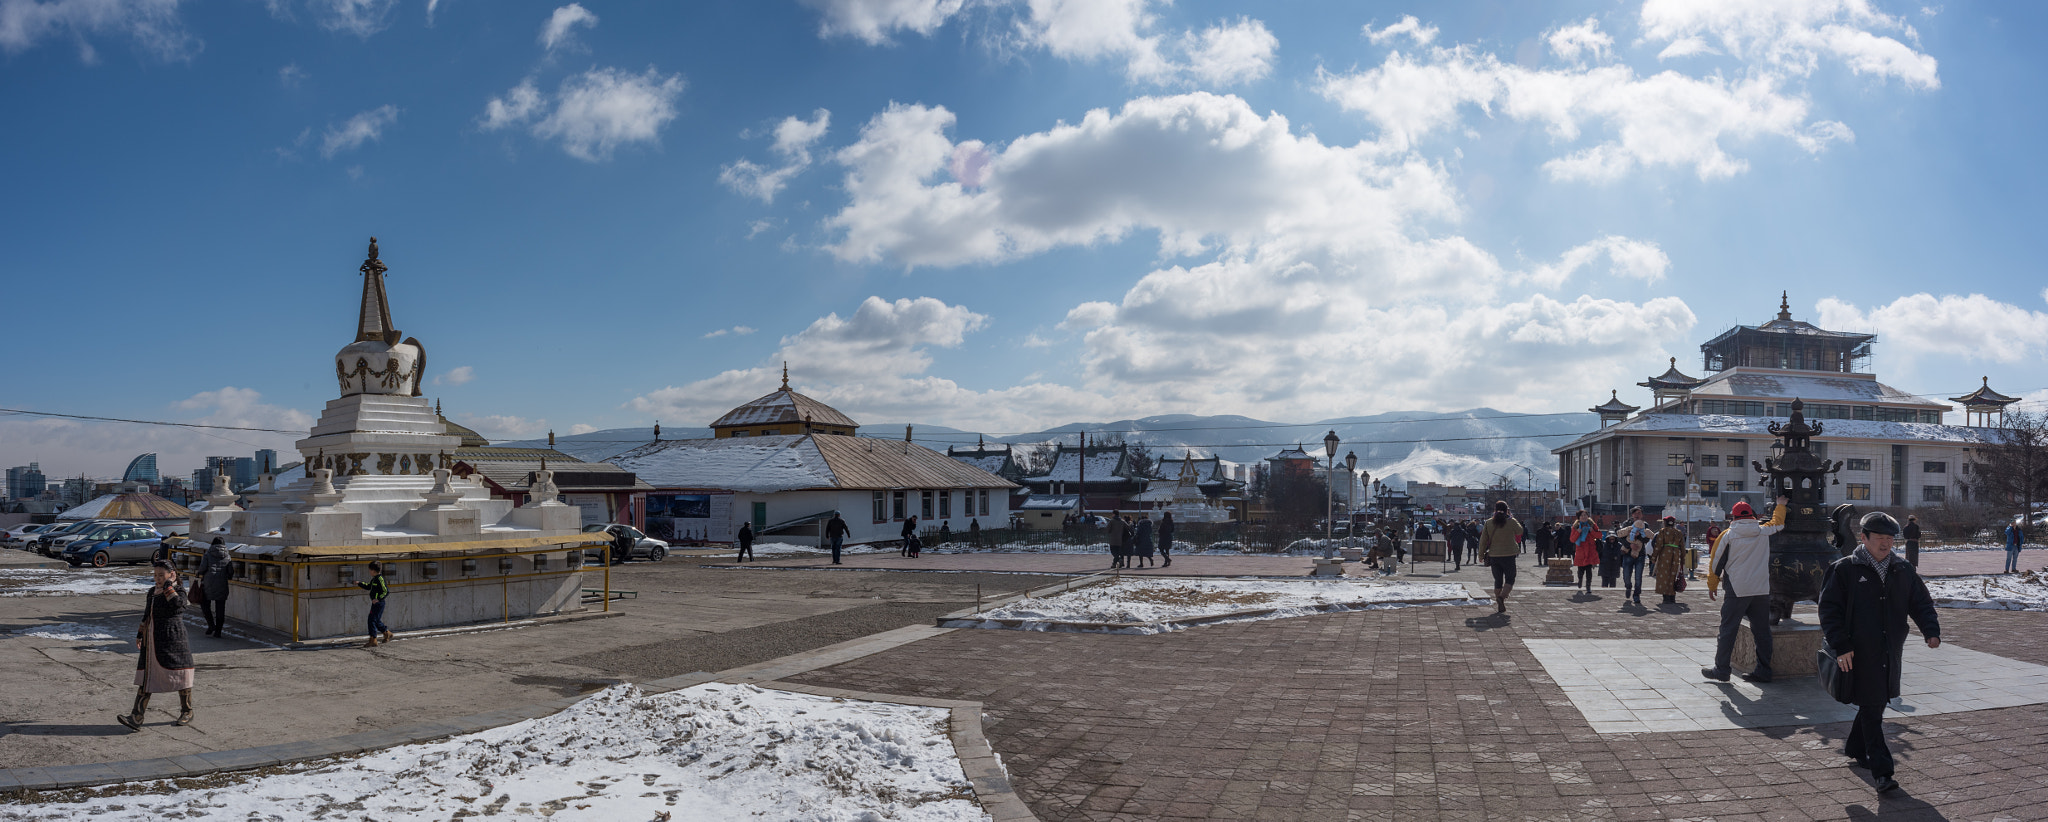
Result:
[
  {"x": 306, "y": 594},
  {"x": 1793, "y": 646}
]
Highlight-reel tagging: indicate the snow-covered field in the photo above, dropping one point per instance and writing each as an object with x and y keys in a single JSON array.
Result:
[
  {"x": 40, "y": 582},
  {"x": 712, "y": 752},
  {"x": 1155, "y": 605},
  {"x": 2024, "y": 591}
]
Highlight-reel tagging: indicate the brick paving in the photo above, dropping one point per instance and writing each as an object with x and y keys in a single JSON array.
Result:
[
  {"x": 1431, "y": 713},
  {"x": 1970, "y": 563}
]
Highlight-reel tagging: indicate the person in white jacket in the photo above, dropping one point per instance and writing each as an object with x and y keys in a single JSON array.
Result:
[{"x": 1741, "y": 560}]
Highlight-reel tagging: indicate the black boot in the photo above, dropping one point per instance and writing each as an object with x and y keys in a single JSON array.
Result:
[
  {"x": 184, "y": 708},
  {"x": 134, "y": 718},
  {"x": 1670, "y": 598}
]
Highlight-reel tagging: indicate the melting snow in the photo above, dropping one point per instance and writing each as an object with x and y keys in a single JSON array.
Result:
[
  {"x": 1151, "y": 604},
  {"x": 36, "y": 582},
  {"x": 712, "y": 752},
  {"x": 70, "y": 632},
  {"x": 2024, "y": 591}
]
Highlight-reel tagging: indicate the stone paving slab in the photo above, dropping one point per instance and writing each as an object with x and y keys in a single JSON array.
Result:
[
  {"x": 1654, "y": 686},
  {"x": 1973, "y": 563}
]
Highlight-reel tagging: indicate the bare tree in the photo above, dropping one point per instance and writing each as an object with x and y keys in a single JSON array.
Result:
[
  {"x": 2012, "y": 472},
  {"x": 1035, "y": 459}
]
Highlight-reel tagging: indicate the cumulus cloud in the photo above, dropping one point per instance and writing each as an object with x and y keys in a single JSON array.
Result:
[
  {"x": 154, "y": 26},
  {"x": 793, "y": 140},
  {"x": 560, "y": 29},
  {"x": 1409, "y": 26},
  {"x": 582, "y": 428},
  {"x": 1971, "y": 327},
  {"x": 361, "y": 18},
  {"x": 1122, "y": 31},
  {"x": 1636, "y": 259},
  {"x": 500, "y": 427},
  {"x": 456, "y": 376},
  {"x": 1794, "y": 35},
  {"x": 357, "y": 130},
  {"x": 1584, "y": 39},
  {"x": 737, "y": 331},
  {"x": 593, "y": 113}
]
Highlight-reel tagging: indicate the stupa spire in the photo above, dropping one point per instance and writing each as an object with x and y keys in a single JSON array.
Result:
[
  {"x": 374, "y": 323},
  {"x": 785, "y": 375},
  {"x": 1785, "y": 305}
]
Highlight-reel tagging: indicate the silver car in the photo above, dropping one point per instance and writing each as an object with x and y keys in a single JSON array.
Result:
[
  {"x": 20, "y": 535},
  {"x": 644, "y": 546}
]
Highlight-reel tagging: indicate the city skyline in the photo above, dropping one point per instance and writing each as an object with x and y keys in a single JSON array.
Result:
[{"x": 998, "y": 217}]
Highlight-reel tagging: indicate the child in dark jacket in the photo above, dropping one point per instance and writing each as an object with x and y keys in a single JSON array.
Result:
[{"x": 379, "y": 589}]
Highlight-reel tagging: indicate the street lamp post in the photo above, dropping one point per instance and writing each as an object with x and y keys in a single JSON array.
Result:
[
  {"x": 1350, "y": 499},
  {"x": 1329, "y": 492},
  {"x": 1692, "y": 560}
]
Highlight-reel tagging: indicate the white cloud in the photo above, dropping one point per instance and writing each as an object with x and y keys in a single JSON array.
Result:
[
  {"x": 456, "y": 376},
  {"x": 873, "y": 21},
  {"x": 1580, "y": 39},
  {"x": 1973, "y": 327},
  {"x": 1636, "y": 259},
  {"x": 594, "y": 113},
  {"x": 737, "y": 331},
  {"x": 1233, "y": 53},
  {"x": 102, "y": 449},
  {"x": 362, "y": 128},
  {"x": 291, "y": 75},
  {"x": 154, "y": 25},
  {"x": 500, "y": 427},
  {"x": 361, "y": 18},
  {"x": 793, "y": 140},
  {"x": 1408, "y": 26},
  {"x": 582, "y": 428},
  {"x": 1793, "y": 35},
  {"x": 560, "y": 30},
  {"x": 1035, "y": 341}
]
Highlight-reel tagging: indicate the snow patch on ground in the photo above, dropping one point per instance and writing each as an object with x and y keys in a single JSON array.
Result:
[
  {"x": 2024, "y": 591},
  {"x": 768, "y": 549},
  {"x": 712, "y": 752},
  {"x": 39, "y": 582},
  {"x": 70, "y": 632},
  {"x": 1152, "y": 605}
]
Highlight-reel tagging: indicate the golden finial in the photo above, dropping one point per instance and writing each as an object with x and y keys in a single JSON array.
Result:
[{"x": 785, "y": 375}]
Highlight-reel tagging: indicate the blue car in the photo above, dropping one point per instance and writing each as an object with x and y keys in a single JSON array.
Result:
[{"x": 130, "y": 544}]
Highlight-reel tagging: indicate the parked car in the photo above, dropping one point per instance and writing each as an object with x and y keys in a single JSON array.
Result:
[
  {"x": 91, "y": 534},
  {"x": 21, "y": 535},
  {"x": 43, "y": 538},
  {"x": 121, "y": 543},
  {"x": 644, "y": 546}
]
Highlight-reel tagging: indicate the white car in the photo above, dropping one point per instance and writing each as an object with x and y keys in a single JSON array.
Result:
[{"x": 19, "y": 535}]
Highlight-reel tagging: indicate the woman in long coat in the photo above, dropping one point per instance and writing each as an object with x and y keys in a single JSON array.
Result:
[
  {"x": 165, "y": 664},
  {"x": 1144, "y": 540},
  {"x": 1669, "y": 558},
  {"x": 214, "y": 569}
]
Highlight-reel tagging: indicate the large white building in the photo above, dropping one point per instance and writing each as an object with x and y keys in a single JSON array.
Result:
[{"x": 1895, "y": 450}]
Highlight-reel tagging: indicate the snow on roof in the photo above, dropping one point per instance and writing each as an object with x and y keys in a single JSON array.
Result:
[
  {"x": 785, "y": 406},
  {"x": 1744, "y": 382},
  {"x": 800, "y": 462},
  {"x": 1102, "y": 465},
  {"x": 991, "y": 464},
  {"x": 1730, "y": 425},
  {"x": 1050, "y": 502}
]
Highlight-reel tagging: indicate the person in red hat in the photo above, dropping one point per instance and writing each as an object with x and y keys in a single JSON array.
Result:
[{"x": 1742, "y": 562}]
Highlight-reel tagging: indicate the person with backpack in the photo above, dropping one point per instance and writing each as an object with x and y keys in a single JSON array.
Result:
[
  {"x": 836, "y": 531},
  {"x": 1865, "y": 600},
  {"x": 380, "y": 590},
  {"x": 1500, "y": 540}
]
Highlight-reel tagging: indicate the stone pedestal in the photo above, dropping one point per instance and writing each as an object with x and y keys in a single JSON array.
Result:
[
  {"x": 1353, "y": 554},
  {"x": 1793, "y": 645},
  {"x": 1559, "y": 572},
  {"x": 1327, "y": 568}
]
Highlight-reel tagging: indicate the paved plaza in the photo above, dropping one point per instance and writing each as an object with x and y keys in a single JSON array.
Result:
[{"x": 1570, "y": 707}]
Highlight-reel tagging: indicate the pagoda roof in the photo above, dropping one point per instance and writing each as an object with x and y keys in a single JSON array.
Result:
[
  {"x": 783, "y": 406},
  {"x": 1671, "y": 378},
  {"x": 131, "y": 506},
  {"x": 1614, "y": 405},
  {"x": 1784, "y": 324},
  {"x": 1985, "y": 396}
]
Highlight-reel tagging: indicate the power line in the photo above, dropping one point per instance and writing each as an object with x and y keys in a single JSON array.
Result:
[{"x": 146, "y": 422}]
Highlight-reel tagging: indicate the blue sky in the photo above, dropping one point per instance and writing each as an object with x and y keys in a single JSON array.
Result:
[{"x": 994, "y": 215}]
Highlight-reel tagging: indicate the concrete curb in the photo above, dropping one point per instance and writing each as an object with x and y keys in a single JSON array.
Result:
[{"x": 979, "y": 761}]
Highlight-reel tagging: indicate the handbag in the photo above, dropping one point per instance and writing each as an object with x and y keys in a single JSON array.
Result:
[
  {"x": 1678, "y": 585},
  {"x": 196, "y": 594},
  {"x": 1840, "y": 684}
]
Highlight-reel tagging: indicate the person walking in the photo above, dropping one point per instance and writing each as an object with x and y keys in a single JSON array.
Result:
[
  {"x": 1454, "y": 545},
  {"x": 1166, "y": 539},
  {"x": 745, "y": 538},
  {"x": 1912, "y": 535},
  {"x": 164, "y": 663},
  {"x": 836, "y": 531},
  {"x": 910, "y": 546},
  {"x": 974, "y": 533},
  {"x": 1142, "y": 540},
  {"x": 1116, "y": 539},
  {"x": 1865, "y": 600},
  {"x": 1668, "y": 559},
  {"x": 2015, "y": 539},
  {"x": 1585, "y": 542},
  {"x": 1130, "y": 540},
  {"x": 1500, "y": 541},
  {"x": 945, "y": 533},
  {"x": 1741, "y": 560},
  {"x": 380, "y": 590},
  {"x": 1543, "y": 537},
  {"x": 1610, "y": 559},
  {"x": 1635, "y": 551},
  {"x": 214, "y": 570}
]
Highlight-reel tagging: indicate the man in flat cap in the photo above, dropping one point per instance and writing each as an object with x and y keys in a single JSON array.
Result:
[{"x": 1864, "y": 603}]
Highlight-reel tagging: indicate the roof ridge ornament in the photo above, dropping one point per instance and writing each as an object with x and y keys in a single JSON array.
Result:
[
  {"x": 1785, "y": 305},
  {"x": 373, "y": 324},
  {"x": 785, "y": 375}
]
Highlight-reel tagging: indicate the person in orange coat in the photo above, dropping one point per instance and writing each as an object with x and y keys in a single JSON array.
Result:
[{"x": 1585, "y": 536}]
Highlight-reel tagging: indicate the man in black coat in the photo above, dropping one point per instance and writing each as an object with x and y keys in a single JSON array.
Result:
[
  {"x": 1912, "y": 534},
  {"x": 836, "y": 531},
  {"x": 1864, "y": 604}
]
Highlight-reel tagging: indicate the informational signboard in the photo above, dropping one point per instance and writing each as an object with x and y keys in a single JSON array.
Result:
[
  {"x": 687, "y": 518},
  {"x": 596, "y": 509}
]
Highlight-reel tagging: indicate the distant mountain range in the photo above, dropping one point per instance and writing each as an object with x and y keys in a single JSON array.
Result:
[{"x": 1475, "y": 447}]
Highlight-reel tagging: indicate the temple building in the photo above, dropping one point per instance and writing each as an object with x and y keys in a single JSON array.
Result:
[
  {"x": 1895, "y": 449},
  {"x": 1104, "y": 476},
  {"x": 378, "y": 485},
  {"x": 786, "y": 463}
]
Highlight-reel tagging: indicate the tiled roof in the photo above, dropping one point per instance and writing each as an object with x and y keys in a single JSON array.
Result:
[
  {"x": 1103, "y": 465},
  {"x": 1808, "y": 386},
  {"x": 129, "y": 507},
  {"x": 800, "y": 462},
  {"x": 1985, "y": 396},
  {"x": 785, "y": 406},
  {"x": 1724, "y": 425}
]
